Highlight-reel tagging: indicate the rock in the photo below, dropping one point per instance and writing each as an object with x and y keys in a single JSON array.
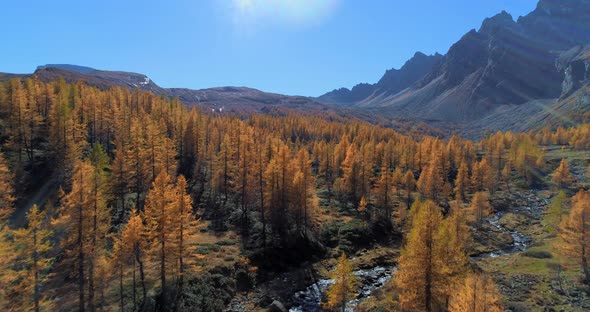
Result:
[
  {"x": 512, "y": 221},
  {"x": 575, "y": 65},
  {"x": 264, "y": 301},
  {"x": 277, "y": 306}
]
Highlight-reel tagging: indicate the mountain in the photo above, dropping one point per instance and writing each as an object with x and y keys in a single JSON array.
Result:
[
  {"x": 570, "y": 109},
  {"x": 575, "y": 64},
  {"x": 505, "y": 62},
  {"x": 392, "y": 82},
  {"x": 74, "y": 68},
  {"x": 100, "y": 78},
  {"x": 238, "y": 100},
  {"x": 230, "y": 99},
  {"x": 507, "y": 75}
]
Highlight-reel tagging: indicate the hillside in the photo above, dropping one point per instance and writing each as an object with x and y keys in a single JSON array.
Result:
[
  {"x": 220, "y": 212},
  {"x": 231, "y": 99}
]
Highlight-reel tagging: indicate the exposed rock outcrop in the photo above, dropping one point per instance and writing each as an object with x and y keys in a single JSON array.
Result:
[
  {"x": 505, "y": 62},
  {"x": 575, "y": 65}
]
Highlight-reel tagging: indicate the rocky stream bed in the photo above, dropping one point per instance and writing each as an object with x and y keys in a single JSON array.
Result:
[{"x": 527, "y": 205}]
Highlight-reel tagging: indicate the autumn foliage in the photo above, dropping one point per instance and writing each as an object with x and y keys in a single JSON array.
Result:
[{"x": 141, "y": 175}]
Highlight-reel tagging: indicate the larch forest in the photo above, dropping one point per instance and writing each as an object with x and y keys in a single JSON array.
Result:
[{"x": 458, "y": 183}]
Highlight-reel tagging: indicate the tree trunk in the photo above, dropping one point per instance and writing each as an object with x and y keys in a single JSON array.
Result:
[
  {"x": 586, "y": 270},
  {"x": 163, "y": 270},
  {"x": 180, "y": 255},
  {"x": 80, "y": 262},
  {"x": 134, "y": 289},
  {"x": 122, "y": 304},
  {"x": 91, "y": 306},
  {"x": 141, "y": 274},
  {"x": 36, "y": 270}
]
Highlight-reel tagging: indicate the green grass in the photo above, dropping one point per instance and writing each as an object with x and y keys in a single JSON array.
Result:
[
  {"x": 539, "y": 269},
  {"x": 556, "y": 153}
]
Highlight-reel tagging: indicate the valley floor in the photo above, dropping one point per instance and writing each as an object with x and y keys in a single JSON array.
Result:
[{"x": 516, "y": 246}]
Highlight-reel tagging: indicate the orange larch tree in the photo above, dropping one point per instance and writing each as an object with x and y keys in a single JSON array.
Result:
[
  {"x": 562, "y": 177},
  {"x": 33, "y": 244},
  {"x": 575, "y": 233},
  {"x": 415, "y": 278},
  {"x": 479, "y": 208},
  {"x": 159, "y": 229},
  {"x": 6, "y": 191},
  {"x": 477, "y": 293}
]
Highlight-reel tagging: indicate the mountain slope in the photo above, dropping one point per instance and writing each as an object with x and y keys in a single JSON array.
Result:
[
  {"x": 392, "y": 82},
  {"x": 570, "y": 109},
  {"x": 505, "y": 62},
  {"x": 233, "y": 99}
]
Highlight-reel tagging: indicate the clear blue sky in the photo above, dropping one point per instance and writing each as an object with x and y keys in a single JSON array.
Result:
[{"x": 303, "y": 47}]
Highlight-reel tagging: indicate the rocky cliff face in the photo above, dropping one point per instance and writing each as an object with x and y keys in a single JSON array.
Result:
[
  {"x": 558, "y": 24},
  {"x": 396, "y": 80},
  {"x": 505, "y": 62},
  {"x": 575, "y": 65}
]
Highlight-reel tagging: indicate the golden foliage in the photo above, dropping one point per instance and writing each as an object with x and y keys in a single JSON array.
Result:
[
  {"x": 477, "y": 293},
  {"x": 575, "y": 233},
  {"x": 344, "y": 285},
  {"x": 562, "y": 176},
  {"x": 479, "y": 208}
]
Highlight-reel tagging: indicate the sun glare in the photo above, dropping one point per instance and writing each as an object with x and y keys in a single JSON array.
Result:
[{"x": 292, "y": 13}]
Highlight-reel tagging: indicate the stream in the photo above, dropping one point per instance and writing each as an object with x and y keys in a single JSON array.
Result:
[
  {"x": 529, "y": 203},
  {"x": 520, "y": 242},
  {"x": 309, "y": 299}
]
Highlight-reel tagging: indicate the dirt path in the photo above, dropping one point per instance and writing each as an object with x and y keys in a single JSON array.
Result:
[{"x": 40, "y": 197}]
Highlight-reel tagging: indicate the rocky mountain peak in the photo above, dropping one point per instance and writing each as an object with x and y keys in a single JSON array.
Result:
[
  {"x": 563, "y": 7},
  {"x": 498, "y": 21}
]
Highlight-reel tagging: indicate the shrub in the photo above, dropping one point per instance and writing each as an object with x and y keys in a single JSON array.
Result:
[
  {"x": 537, "y": 254},
  {"x": 348, "y": 237},
  {"x": 226, "y": 242},
  {"x": 209, "y": 292},
  {"x": 206, "y": 249}
]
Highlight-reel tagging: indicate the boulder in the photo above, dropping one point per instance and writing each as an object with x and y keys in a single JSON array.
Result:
[{"x": 277, "y": 306}]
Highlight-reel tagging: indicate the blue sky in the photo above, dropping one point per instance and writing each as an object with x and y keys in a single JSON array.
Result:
[{"x": 302, "y": 47}]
